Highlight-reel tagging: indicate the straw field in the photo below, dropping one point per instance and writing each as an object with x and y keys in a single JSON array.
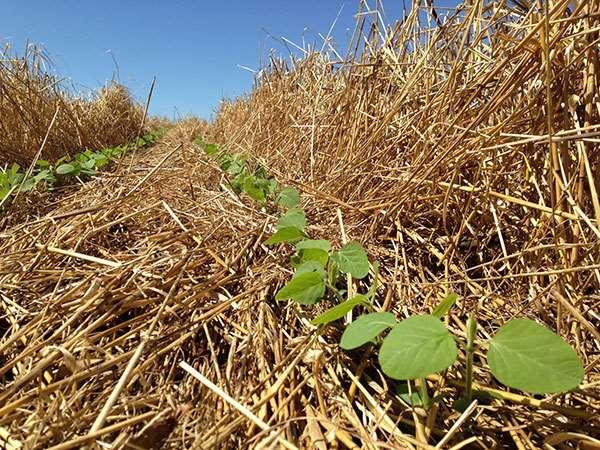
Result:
[
  {"x": 460, "y": 147},
  {"x": 34, "y": 102}
]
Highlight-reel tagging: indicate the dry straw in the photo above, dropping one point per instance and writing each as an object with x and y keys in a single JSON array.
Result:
[
  {"x": 30, "y": 93},
  {"x": 461, "y": 149}
]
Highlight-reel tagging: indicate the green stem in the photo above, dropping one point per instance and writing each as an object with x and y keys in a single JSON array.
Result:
[
  {"x": 424, "y": 393},
  {"x": 470, "y": 351},
  {"x": 333, "y": 289}
]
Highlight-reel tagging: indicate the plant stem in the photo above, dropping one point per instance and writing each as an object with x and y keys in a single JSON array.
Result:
[
  {"x": 335, "y": 291},
  {"x": 424, "y": 393},
  {"x": 470, "y": 351}
]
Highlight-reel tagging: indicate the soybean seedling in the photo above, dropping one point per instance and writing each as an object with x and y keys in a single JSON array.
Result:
[
  {"x": 522, "y": 354},
  {"x": 317, "y": 265},
  {"x": 256, "y": 184}
]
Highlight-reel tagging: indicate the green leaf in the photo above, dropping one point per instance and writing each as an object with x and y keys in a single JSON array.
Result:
[
  {"x": 211, "y": 149},
  {"x": 88, "y": 164},
  {"x": 237, "y": 184},
  {"x": 271, "y": 186},
  {"x": 65, "y": 169},
  {"x": 46, "y": 175},
  {"x": 306, "y": 288},
  {"x": 232, "y": 164},
  {"x": 314, "y": 249},
  {"x": 42, "y": 164},
  {"x": 295, "y": 217},
  {"x": 314, "y": 254},
  {"x": 287, "y": 234},
  {"x": 411, "y": 397},
  {"x": 100, "y": 160},
  {"x": 320, "y": 244},
  {"x": 253, "y": 189},
  {"x": 339, "y": 311},
  {"x": 111, "y": 152},
  {"x": 13, "y": 175},
  {"x": 366, "y": 328},
  {"x": 352, "y": 259},
  {"x": 14, "y": 170},
  {"x": 28, "y": 184},
  {"x": 417, "y": 347},
  {"x": 288, "y": 197},
  {"x": 445, "y": 305},
  {"x": 527, "y": 356},
  {"x": 310, "y": 266}
]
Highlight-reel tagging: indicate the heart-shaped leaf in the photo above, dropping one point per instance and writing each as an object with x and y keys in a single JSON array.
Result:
[
  {"x": 352, "y": 259},
  {"x": 306, "y": 288},
  {"x": 288, "y": 197},
  {"x": 417, "y": 347},
  {"x": 287, "y": 234},
  {"x": 366, "y": 328},
  {"x": 339, "y": 311},
  {"x": 527, "y": 356},
  {"x": 295, "y": 217}
]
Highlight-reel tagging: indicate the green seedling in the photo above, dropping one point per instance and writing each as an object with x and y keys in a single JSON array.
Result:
[
  {"x": 288, "y": 198},
  {"x": 10, "y": 179},
  {"x": 85, "y": 163},
  {"x": 257, "y": 185},
  {"x": 314, "y": 253},
  {"x": 317, "y": 265},
  {"x": 522, "y": 354}
]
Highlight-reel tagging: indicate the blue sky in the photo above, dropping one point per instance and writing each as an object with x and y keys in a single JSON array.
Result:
[{"x": 192, "y": 47}]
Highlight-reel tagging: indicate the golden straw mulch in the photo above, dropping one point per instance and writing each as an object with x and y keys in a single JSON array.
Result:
[
  {"x": 139, "y": 311},
  {"x": 31, "y": 95}
]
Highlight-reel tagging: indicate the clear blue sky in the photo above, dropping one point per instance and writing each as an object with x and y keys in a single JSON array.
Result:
[{"x": 192, "y": 47}]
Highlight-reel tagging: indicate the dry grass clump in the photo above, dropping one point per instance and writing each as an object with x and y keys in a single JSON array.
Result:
[
  {"x": 189, "y": 128},
  {"x": 30, "y": 96},
  {"x": 462, "y": 155}
]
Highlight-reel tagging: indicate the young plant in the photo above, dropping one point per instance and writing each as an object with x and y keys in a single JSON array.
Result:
[
  {"x": 257, "y": 185},
  {"x": 317, "y": 266},
  {"x": 10, "y": 179},
  {"x": 522, "y": 354},
  {"x": 85, "y": 163}
]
